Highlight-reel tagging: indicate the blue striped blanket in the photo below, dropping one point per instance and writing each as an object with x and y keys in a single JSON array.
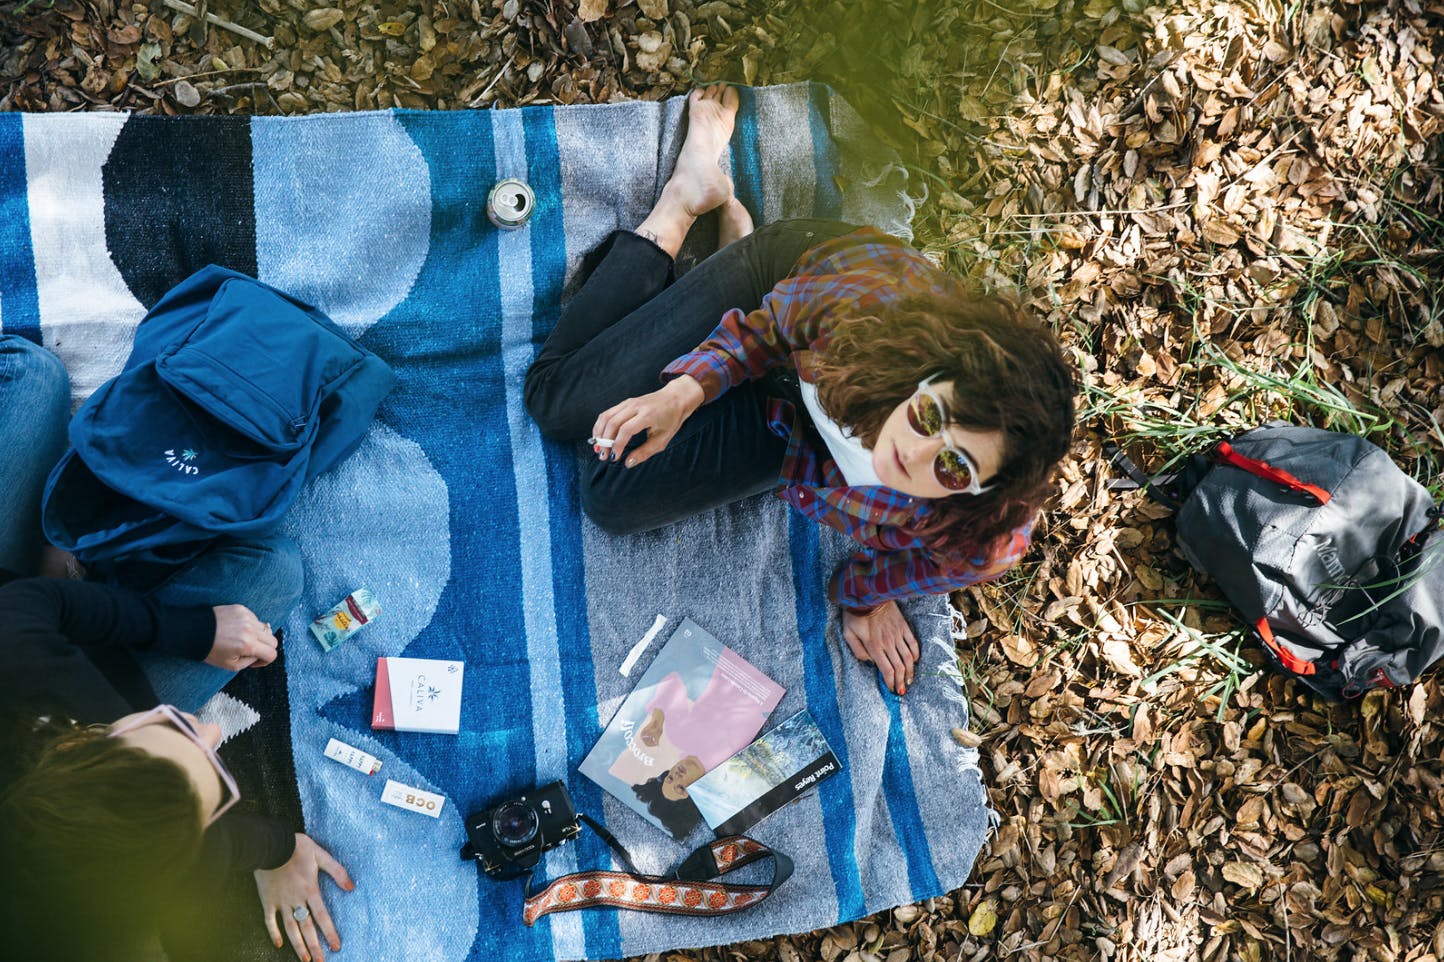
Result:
[{"x": 464, "y": 522}]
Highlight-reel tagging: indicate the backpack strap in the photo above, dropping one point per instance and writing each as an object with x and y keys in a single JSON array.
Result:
[
  {"x": 1224, "y": 453},
  {"x": 1287, "y": 658},
  {"x": 1151, "y": 486}
]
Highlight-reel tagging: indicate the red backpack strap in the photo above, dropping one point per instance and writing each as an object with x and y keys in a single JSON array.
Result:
[
  {"x": 1287, "y": 658},
  {"x": 1225, "y": 453}
]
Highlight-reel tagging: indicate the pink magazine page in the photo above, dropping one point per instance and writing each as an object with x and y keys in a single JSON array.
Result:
[{"x": 698, "y": 704}]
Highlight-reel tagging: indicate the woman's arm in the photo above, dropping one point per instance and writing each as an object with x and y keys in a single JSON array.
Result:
[
  {"x": 868, "y": 586},
  {"x": 55, "y": 633},
  {"x": 745, "y": 346}
]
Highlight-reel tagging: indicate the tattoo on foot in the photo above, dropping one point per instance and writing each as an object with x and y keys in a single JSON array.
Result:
[{"x": 649, "y": 235}]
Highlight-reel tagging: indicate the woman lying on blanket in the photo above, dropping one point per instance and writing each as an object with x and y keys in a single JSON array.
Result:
[
  {"x": 112, "y": 807},
  {"x": 870, "y": 390}
]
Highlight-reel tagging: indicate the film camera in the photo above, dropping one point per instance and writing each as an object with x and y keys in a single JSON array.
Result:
[{"x": 508, "y": 839}]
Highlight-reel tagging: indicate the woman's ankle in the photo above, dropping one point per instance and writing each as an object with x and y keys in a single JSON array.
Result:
[{"x": 667, "y": 225}]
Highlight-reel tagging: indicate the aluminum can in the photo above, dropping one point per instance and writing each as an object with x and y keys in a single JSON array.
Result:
[{"x": 510, "y": 203}]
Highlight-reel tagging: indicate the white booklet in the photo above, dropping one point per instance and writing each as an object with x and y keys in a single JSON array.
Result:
[{"x": 418, "y": 695}]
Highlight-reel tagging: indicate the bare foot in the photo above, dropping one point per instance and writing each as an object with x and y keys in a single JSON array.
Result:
[
  {"x": 697, "y": 184},
  {"x": 733, "y": 222},
  {"x": 697, "y": 180}
]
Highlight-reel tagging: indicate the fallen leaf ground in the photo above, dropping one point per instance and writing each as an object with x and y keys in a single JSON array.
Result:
[{"x": 1230, "y": 210}]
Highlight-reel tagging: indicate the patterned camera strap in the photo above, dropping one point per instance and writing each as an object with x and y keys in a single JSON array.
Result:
[{"x": 691, "y": 890}]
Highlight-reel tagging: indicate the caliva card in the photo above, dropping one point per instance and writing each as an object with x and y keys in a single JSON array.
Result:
[{"x": 418, "y": 695}]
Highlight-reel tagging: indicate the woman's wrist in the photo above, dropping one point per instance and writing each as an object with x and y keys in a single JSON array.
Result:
[
  {"x": 688, "y": 390},
  {"x": 866, "y": 613}
]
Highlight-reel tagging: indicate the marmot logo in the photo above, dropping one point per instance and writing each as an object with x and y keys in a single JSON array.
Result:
[{"x": 182, "y": 462}]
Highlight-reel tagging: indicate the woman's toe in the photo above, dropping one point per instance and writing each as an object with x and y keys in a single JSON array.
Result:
[{"x": 730, "y": 99}]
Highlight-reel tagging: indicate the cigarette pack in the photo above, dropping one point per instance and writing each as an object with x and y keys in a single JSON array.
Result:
[{"x": 418, "y": 695}]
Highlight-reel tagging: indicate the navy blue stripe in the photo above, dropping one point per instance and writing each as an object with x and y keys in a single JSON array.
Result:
[
  {"x": 902, "y": 804},
  {"x": 747, "y": 155},
  {"x": 839, "y": 807},
  {"x": 602, "y": 928},
  {"x": 19, "y": 302},
  {"x": 838, "y": 802},
  {"x": 826, "y": 197}
]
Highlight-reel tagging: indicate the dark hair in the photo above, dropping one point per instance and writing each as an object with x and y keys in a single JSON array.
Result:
[
  {"x": 1008, "y": 375},
  {"x": 678, "y": 816},
  {"x": 99, "y": 827}
]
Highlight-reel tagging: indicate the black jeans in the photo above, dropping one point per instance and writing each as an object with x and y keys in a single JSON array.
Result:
[{"x": 630, "y": 320}]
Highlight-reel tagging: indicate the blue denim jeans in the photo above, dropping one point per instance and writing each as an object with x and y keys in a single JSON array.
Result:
[
  {"x": 627, "y": 322},
  {"x": 34, "y": 412},
  {"x": 265, "y": 575}
]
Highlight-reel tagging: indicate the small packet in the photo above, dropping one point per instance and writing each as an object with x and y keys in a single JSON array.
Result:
[
  {"x": 412, "y": 799},
  {"x": 352, "y": 757},
  {"x": 355, "y": 611}
]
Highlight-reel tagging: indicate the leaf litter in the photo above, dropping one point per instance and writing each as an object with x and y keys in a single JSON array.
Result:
[{"x": 1231, "y": 211}]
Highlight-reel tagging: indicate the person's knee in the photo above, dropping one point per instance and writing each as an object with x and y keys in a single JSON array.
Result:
[
  {"x": 541, "y": 404},
  {"x": 28, "y": 367},
  {"x": 279, "y": 577},
  {"x": 609, "y": 509}
]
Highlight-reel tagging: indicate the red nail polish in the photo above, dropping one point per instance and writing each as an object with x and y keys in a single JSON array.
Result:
[{"x": 902, "y": 691}]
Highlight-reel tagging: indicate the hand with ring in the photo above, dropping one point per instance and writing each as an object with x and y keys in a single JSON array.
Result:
[{"x": 293, "y": 891}]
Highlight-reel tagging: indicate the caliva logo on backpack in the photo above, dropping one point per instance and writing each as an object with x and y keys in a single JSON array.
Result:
[
  {"x": 182, "y": 461},
  {"x": 1323, "y": 545}
]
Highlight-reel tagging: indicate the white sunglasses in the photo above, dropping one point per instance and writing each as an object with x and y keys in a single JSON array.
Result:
[
  {"x": 171, "y": 714},
  {"x": 953, "y": 467}
]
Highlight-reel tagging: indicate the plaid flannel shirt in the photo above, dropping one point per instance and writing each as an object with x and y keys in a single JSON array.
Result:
[{"x": 856, "y": 275}]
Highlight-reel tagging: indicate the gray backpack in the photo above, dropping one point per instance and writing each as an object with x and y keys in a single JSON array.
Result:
[{"x": 1321, "y": 542}]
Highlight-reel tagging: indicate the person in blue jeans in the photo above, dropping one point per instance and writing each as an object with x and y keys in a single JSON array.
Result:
[
  {"x": 113, "y": 800},
  {"x": 249, "y": 584}
]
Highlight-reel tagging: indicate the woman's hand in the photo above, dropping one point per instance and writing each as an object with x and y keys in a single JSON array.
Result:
[
  {"x": 651, "y": 732},
  {"x": 883, "y": 638},
  {"x": 298, "y": 884},
  {"x": 242, "y": 640},
  {"x": 660, "y": 414}
]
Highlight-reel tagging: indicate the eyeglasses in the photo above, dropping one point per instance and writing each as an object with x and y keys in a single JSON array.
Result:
[
  {"x": 953, "y": 467},
  {"x": 168, "y": 713}
]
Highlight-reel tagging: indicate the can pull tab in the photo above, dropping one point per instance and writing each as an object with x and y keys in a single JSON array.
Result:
[{"x": 509, "y": 204}]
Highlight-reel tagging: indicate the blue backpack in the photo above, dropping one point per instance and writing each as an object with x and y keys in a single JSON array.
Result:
[{"x": 234, "y": 396}]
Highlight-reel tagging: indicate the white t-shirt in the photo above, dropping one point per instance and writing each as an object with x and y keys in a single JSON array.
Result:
[{"x": 853, "y": 460}]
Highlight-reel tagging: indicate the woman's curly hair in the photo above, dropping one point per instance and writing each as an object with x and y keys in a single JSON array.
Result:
[{"x": 1008, "y": 374}]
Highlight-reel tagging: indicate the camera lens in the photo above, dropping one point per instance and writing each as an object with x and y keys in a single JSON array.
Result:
[{"x": 514, "y": 823}]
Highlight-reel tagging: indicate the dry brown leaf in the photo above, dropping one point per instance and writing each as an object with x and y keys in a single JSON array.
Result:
[{"x": 589, "y": 11}]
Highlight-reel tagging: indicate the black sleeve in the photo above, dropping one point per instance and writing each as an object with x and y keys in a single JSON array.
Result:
[
  {"x": 244, "y": 843},
  {"x": 55, "y": 636}
]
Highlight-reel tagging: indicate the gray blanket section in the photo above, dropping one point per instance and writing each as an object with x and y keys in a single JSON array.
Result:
[{"x": 750, "y": 605}]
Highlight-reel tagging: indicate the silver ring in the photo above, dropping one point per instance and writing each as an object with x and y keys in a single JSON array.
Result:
[{"x": 300, "y": 913}]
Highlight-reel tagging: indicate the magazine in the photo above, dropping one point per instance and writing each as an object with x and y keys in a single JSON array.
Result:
[
  {"x": 776, "y": 770},
  {"x": 697, "y": 704}
]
